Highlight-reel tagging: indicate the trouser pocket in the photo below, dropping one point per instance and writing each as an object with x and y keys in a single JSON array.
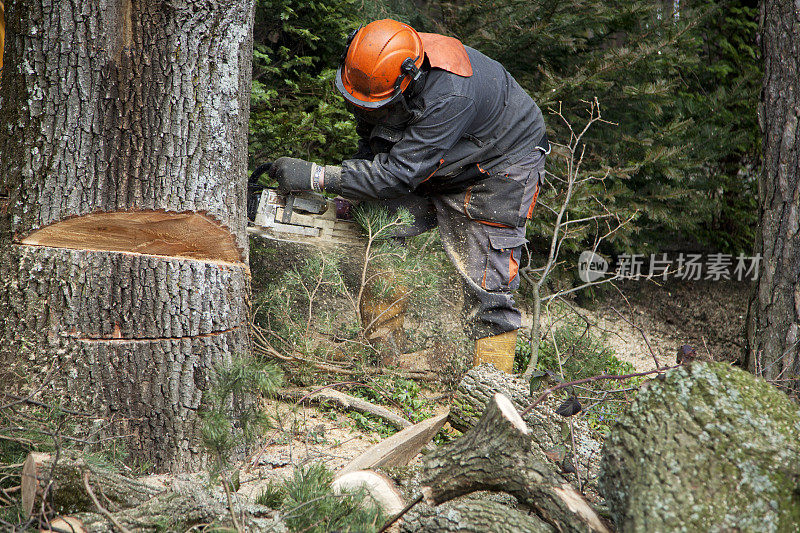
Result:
[
  {"x": 495, "y": 199},
  {"x": 502, "y": 261}
]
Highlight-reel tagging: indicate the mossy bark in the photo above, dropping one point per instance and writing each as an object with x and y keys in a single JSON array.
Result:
[
  {"x": 473, "y": 516},
  {"x": 498, "y": 454},
  {"x": 550, "y": 432},
  {"x": 706, "y": 448}
]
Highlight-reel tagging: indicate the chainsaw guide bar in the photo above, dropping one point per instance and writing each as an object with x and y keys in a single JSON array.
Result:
[{"x": 306, "y": 218}]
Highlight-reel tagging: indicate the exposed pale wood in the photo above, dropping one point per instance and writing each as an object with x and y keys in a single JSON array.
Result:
[
  {"x": 65, "y": 523},
  {"x": 190, "y": 235},
  {"x": 379, "y": 487},
  {"x": 345, "y": 401},
  {"x": 30, "y": 486},
  {"x": 142, "y": 108},
  {"x": 498, "y": 454},
  {"x": 63, "y": 480},
  {"x": 400, "y": 448}
]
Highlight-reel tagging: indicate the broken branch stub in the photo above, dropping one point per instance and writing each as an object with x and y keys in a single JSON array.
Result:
[{"x": 498, "y": 454}]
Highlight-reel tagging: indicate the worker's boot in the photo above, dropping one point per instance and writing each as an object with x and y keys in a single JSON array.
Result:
[{"x": 497, "y": 350}]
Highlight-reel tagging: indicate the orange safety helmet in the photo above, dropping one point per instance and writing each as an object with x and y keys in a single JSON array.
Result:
[{"x": 381, "y": 60}]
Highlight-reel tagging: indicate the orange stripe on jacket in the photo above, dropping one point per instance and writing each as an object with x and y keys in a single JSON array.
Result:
[{"x": 435, "y": 170}]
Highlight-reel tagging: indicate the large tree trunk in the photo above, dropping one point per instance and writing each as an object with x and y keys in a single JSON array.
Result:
[
  {"x": 124, "y": 252},
  {"x": 773, "y": 330}
]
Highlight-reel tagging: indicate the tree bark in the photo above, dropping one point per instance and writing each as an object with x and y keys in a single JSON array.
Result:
[
  {"x": 473, "y": 516},
  {"x": 499, "y": 454},
  {"x": 63, "y": 481},
  {"x": 135, "y": 505},
  {"x": 124, "y": 251},
  {"x": 172, "y": 511},
  {"x": 478, "y": 387},
  {"x": 773, "y": 326}
]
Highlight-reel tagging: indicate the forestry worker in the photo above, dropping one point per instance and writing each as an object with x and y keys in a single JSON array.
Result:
[{"x": 448, "y": 134}]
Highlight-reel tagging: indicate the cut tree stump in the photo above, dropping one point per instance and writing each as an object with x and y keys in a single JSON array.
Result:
[
  {"x": 344, "y": 401},
  {"x": 400, "y": 448},
  {"x": 499, "y": 454},
  {"x": 63, "y": 481},
  {"x": 64, "y": 523},
  {"x": 472, "y": 516}
]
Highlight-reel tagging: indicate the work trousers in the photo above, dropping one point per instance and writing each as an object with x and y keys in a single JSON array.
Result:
[{"x": 485, "y": 254}]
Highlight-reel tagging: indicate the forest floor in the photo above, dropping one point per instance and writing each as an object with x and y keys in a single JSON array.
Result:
[{"x": 709, "y": 316}]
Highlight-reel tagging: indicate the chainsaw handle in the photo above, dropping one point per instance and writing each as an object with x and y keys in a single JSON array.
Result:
[
  {"x": 254, "y": 189},
  {"x": 263, "y": 168}
]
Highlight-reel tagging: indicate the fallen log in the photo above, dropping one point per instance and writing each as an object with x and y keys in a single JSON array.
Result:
[
  {"x": 182, "y": 511},
  {"x": 130, "y": 504},
  {"x": 63, "y": 481},
  {"x": 498, "y": 453},
  {"x": 550, "y": 432},
  {"x": 471, "y": 515},
  {"x": 400, "y": 448},
  {"x": 344, "y": 401},
  {"x": 480, "y": 384}
]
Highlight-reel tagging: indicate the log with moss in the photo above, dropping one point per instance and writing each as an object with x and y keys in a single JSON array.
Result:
[
  {"x": 549, "y": 431},
  {"x": 498, "y": 453},
  {"x": 69, "y": 481},
  {"x": 472, "y": 514},
  {"x": 707, "y": 447}
]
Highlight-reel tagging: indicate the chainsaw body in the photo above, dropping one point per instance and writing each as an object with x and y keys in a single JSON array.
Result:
[{"x": 305, "y": 217}]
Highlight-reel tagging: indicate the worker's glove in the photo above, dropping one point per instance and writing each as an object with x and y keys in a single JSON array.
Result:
[{"x": 299, "y": 175}]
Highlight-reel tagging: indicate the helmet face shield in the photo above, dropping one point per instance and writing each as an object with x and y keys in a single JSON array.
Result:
[
  {"x": 366, "y": 104},
  {"x": 395, "y": 115}
]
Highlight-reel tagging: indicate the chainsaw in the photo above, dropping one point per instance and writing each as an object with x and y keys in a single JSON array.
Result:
[{"x": 304, "y": 217}]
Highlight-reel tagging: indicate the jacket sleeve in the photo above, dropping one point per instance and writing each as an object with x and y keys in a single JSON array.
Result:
[{"x": 412, "y": 159}]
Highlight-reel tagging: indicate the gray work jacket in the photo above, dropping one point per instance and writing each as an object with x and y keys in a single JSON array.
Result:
[{"x": 485, "y": 121}]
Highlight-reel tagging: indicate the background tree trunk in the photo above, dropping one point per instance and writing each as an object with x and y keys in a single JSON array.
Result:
[
  {"x": 773, "y": 329},
  {"x": 123, "y": 144}
]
